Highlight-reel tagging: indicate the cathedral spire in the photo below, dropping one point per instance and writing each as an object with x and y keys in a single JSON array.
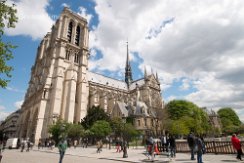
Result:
[
  {"x": 157, "y": 76},
  {"x": 145, "y": 72},
  {"x": 128, "y": 71}
]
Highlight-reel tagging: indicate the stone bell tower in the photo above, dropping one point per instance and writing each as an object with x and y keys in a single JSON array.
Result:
[{"x": 58, "y": 87}]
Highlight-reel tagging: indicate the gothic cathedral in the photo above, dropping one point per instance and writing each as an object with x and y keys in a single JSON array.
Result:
[{"x": 61, "y": 85}]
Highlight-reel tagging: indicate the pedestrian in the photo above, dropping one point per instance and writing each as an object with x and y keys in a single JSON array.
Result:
[
  {"x": 237, "y": 146},
  {"x": 164, "y": 143},
  {"x": 191, "y": 144},
  {"x": 86, "y": 142},
  {"x": 172, "y": 146},
  {"x": 117, "y": 145},
  {"x": 75, "y": 143},
  {"x": 62, "y": 146},
  {"x": 199, "y": 149},
  {"x": 1, "y": 150},
  {"x": 124, "y": 148},
  {"x": 23, "y": 142},
  {"x": 150, "y": 148},
  {"x": 99, "y": 146},
  {"x": 39, "y": 144},
  {"x": 28, "y": 143}
]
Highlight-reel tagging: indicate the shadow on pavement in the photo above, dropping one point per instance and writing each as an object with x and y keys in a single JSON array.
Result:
[{"x": 230, "y": 160}]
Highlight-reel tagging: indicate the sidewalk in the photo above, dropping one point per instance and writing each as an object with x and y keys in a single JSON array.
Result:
[{"x": 138, "y": 155}]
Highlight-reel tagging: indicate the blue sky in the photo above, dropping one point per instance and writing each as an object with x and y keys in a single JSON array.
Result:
[{"x": 195, "y": 47}]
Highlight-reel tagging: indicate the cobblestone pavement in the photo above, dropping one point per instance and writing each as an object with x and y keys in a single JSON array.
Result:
[{"x": 89, "y": 155}]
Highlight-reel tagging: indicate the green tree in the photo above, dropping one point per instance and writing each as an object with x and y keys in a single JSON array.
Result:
[
  {"x": 117, "y": 126},
  {"x": 59, "y": 130},
  {"x": 101, "y": 129},
  {"x": 187, "y": 115},
  {"x": 129, "y": 132},
  {"x": 229, "y": 120},
  {"x": 179, "y": 127},
  {"x": 8, "y": 19},
  {"x": 75, "y": 131},
  {"x": 94, "y": 114}
]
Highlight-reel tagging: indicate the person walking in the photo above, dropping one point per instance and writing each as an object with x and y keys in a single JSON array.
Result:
[
  {"x": 199, "y": 149},
  {"x": 191, "y": 143},
  {"x": 237, "y": 146},
  {"x": 23, "y": 143},
  {"x": 99, "y": 146},
  {"x": 62, "y": 146},
  {"x": 75, "y": 143},
  {"x": 172, "y": 146}
]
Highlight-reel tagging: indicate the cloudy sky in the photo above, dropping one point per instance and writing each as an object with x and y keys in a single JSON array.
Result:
[{"x": 196, "y": 47}]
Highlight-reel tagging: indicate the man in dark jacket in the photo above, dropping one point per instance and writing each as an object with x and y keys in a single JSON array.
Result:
[{"x": 192, "y": 144}]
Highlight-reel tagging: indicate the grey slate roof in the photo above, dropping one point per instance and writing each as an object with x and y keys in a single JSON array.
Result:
[
  {"x": 139, "y": 83},
  {"x": 104, "y": 80},
  {"x": 122, "y": 107}
]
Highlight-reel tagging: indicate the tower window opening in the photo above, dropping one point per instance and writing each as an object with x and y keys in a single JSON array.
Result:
[
  {"x": 69, "y": 33},
  {"x": 76, "y": 59},
  {"x": 67, "y": 55},
  {"x": 77, "y": 36}
]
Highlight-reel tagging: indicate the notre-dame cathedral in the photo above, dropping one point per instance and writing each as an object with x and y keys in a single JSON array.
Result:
[{"x": 61, "y": 85}]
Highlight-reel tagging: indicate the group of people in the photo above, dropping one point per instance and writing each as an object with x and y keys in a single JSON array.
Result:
[
  {"x": 168, "y": 145},
  {"x": 26, "y": 143},
  {"x": 196, "y": 145}
]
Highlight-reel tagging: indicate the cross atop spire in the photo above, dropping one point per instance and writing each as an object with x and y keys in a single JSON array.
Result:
[{"x": 128, "y": 71}]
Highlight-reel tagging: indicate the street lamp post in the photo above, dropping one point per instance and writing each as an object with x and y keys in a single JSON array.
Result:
[{"x": 125, "y": 155}]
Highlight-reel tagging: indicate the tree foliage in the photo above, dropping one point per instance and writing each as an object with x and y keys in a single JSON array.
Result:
[
  {"x": 8, "y": 19},
  {"x": 117, "y": 126},
  {"x": 229, "y": 120},
  {"x": 59, "y": 130},
  {"x": 75, "y": 131},
  {"x": 185, "y": 116},
  {"x": 94, "y": 114},
  {"x": 129, "y": 131},
  {"x": 101, "y": 129}
]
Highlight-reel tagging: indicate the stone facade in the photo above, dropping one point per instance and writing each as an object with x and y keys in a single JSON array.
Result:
[{"x": 61, "y": 86}]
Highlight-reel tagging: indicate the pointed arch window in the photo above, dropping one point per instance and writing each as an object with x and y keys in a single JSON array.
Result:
[
  {"x": 69, "y": 32},
  {"x": 76, "y": 59},
  {"x": 67, "y": 55},
  {"x": 77, "y": 36}
]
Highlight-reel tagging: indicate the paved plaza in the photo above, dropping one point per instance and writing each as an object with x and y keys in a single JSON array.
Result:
[{"x": 106, "y": 156}]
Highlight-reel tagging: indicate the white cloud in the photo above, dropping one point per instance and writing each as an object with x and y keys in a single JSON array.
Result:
[
  {"x": 203, "y": 43},
  {"x": 65, "y": 5},
  {"x": 15, "y": 89},
  {"x": 18, "y": 104},
  {"x": 3, "y": 113},
  {"x": 33, "y": 19},
  {"x": 185, "y": 84},
  {"x": 83, "y": 12}
]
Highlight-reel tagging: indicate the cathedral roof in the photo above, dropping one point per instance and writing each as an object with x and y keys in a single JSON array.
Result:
[
  {"x": 122, "y": 107},
  {"x": 104, "y": 80},
  {"x": 139, "y": 83}
]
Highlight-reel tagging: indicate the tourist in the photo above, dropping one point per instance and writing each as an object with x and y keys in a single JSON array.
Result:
[
  {"x": 199, "y": 149},
  {"x": 99, "y": 146},
  {"x": 23, "y": 143},
  {"x": 62, "y": 146},
  {"x": 237, "y": 146},
  {"x": 191, "y": 144},
  {"x": 172, "y": 146},
  {"x": 75, "y": 143},
  {"x": 164, "y": 143}
]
